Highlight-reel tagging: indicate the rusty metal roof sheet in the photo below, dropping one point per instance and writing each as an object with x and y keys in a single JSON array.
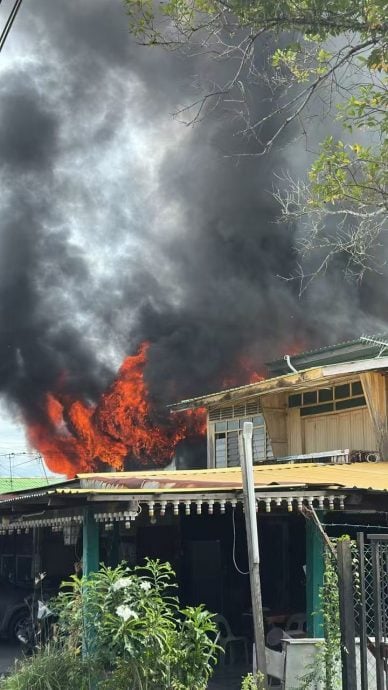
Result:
[
  {"x": 300, "y": 477},
  {"x": 373, "y": 476}
]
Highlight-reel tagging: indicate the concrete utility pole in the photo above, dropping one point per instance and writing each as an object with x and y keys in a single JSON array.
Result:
[{"x": 245, "y": 447}]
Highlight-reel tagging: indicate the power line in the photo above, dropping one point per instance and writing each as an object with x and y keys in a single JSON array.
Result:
[
  {"x": 44, "y": 469},
  {"x": 348, "y": 524},
  {"x": 9, "y": 22}
]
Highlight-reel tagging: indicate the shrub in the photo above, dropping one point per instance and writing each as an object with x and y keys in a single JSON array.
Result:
[
  {"x": 51, "y": 668},
  {"x": 254, "y": 681},
  {"x": 132, "y": 631}
]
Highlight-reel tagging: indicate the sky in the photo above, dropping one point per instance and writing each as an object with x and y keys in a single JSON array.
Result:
[
  {"x": 120, "y": 225},
  {"x": 16, "y": 457}
]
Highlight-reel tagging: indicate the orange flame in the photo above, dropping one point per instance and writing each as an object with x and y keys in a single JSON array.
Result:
[
  {"x": 244, "y": 372},
  {"x": 76, "y": 436}
]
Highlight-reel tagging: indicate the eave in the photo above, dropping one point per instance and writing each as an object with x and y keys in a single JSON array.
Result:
[{"x": 316, "y": 376}]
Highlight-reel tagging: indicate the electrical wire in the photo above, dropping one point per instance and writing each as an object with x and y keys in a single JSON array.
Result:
[
  {"x": 9, "y": 22},
  {"x": 35, "y": 459},
  {"x": 234, "y": 547},
  {"x": 345, "y": 524},
  {"x": 21, "y": 452},
  {"x": 44, "y": 469}
]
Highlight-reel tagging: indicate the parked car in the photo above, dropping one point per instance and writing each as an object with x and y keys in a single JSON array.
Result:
[{"x": 14, "y": 610}]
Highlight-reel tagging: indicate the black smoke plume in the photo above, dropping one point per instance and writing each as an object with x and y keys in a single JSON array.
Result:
[{"x": 120, "y": 225}]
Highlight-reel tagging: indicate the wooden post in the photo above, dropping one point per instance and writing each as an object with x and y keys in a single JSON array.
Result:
[
  {"x": 346, "y": 600},
  {"x": 315, "y": 568},
  {"x": 245, "y": 449}
]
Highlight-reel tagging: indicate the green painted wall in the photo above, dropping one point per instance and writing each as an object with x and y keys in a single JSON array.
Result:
[
  {"x": 91, "y": 546},
  {"x": 315, "y": 564}
]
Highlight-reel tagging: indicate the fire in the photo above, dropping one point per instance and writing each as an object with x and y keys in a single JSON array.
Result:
[
  {"x": 76, "y": 436},
  {"x": 295, "y": 346},
  {"x": 245, "y": 371},
  {"x": 125, "y": 426}
]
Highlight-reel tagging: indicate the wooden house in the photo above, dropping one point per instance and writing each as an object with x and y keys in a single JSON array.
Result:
[{"x": 328, "y": 406}]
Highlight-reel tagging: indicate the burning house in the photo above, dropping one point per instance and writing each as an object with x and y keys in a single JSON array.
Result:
[
  {"x": 319, "y": 441},
  {"x": 316, "y": 404}
]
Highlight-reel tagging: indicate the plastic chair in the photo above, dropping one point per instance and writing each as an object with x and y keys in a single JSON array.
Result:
[
  {"x": 296, "y": 625},
  {"x": 228, "y": 641},
  {"x": 275, "y": 636},
  {"x": 275, "y": 665}
]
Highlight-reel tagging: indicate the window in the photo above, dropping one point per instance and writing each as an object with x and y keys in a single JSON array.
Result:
[
  {"x": 357, "y": 388},
  {"x": 7, "y": 566},
  {"x": 325, "y": 395},
  {"x": 295, "y": 400},
  {"x": 16, "y": 568},
  {"x": 245, "y": 409},
  {"x": 226, "y": 434},
  {"x": 329, "y": 399},
  {"x": 317, "y": 409},
  {"x": 342, "y": 391},
  {"x": 23, "y": 568},
  {"x": 310, "y": 398}
]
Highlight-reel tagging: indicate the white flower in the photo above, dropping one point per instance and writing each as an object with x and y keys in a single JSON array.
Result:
[
  {"x": 125, "y": 612},
  {"x": 121, "y": 583},
  {"x": 145, "y": 585}
]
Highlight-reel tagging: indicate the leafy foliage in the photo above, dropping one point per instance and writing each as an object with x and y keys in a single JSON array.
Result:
[
  {"x": 326, "y": 668},
  {"x": 334, "y": 52},
  {"x": 52, "y": 668},
  {"x": 254, "y": 681},
  {"x": 132, "y": 632}
]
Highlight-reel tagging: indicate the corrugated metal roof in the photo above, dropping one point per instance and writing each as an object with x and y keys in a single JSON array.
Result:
[
  {"x": 365, "y": 347},
  {"x": 366, "y": 475},
  {"x": 276, "y": 477},
  {"x": 8, "y": 484},
  {"x": 362, "y": 340}
]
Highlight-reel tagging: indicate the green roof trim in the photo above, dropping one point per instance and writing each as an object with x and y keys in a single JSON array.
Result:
[
  {"x": 364, "y": 347},
  {"x": 9, "y": 484}
]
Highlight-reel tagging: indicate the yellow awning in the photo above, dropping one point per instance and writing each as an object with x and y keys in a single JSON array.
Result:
[{"x": 372, "y": 476}]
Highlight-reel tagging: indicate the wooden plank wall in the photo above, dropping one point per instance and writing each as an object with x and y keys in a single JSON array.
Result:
[
  {"x": 339, "y": 430},
  {"x": 274, "y": 408},
  {"x": 294, "y": 432}
]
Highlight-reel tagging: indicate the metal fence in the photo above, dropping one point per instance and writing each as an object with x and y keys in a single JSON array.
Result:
[{"x": 370, "y": 579}]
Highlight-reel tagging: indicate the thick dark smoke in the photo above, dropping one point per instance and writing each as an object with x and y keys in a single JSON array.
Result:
[{"x": 120, "y": 225}]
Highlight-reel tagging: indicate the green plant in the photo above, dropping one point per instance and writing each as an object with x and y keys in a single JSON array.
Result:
[
  {"x": 253, "y": 681},
  {"x": 331, "y": 622},
  {"x": 128, "y": 627},
  {"x": 133, "y": 625},
  {"x": 51, "y": 668},
  {"x": 326, "y": 668}
]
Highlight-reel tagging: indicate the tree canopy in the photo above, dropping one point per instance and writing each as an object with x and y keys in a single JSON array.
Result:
[{"x": 331, "y": 52}]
